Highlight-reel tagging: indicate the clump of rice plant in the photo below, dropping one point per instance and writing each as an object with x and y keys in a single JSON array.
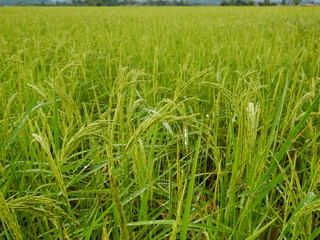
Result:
[{"x": 159, "y": 123}]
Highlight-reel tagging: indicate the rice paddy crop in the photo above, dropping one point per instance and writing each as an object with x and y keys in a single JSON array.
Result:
[{"x": 160, "y": 123}]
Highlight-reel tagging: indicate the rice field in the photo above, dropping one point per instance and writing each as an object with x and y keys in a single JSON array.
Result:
[{"x": 160, "y": 123}]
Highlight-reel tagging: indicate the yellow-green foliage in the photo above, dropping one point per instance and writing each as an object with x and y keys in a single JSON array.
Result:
[{"x": 159, "y": 123}]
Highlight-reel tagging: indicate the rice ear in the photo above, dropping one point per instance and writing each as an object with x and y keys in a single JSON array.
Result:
[{"x": 9, "y": 217}]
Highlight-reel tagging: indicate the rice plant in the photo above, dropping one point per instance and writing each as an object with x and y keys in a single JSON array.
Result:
[{"x": 159, "y": 123}]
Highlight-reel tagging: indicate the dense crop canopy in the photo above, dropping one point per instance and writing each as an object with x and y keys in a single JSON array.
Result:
[{"x": 159, "y": 123}]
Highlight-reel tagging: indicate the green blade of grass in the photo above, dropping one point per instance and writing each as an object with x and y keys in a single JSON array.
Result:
[
  {"x": 292, "y": 135},
  {"x": 256, "y": 234},
  {"x": 306, "y": 202},
  {"x": 296, "y": 130},
  {"x": 315, "y": 234},
  {"x": 190, "y": 225},
  {"x": 56, "y": 129},
  {"x": 186, "y": 215}
]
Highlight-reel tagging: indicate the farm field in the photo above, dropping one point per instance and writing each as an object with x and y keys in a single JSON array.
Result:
[{"x": 160, "y": 123}]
